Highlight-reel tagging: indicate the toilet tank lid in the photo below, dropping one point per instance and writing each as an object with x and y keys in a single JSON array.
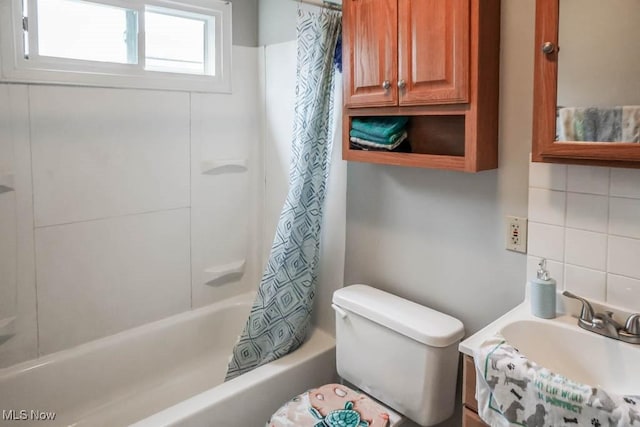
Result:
[{"x": 420, "y": 323}]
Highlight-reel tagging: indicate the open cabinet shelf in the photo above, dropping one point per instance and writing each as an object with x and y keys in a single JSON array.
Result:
[{"x": 438, "y": 137}]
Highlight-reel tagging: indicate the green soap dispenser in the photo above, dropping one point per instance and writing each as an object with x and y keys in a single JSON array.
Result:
[{"x": 543, "y": 293}]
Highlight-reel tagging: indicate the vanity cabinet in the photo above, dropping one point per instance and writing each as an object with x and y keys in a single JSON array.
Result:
[
  {"x": 586, "y": 78},
  {"x": 435, "y": 61},
  {"x": 470, "y": 416}
]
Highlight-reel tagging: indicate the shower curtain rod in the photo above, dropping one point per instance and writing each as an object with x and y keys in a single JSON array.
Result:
[{"x": 323, "y": 3}]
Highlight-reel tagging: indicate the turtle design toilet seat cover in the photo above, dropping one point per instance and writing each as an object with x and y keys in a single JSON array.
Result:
[{"x": 331, "y": 405}]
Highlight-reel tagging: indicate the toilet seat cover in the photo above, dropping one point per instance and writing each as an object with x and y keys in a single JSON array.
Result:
[{"x": 331, "y": 405}]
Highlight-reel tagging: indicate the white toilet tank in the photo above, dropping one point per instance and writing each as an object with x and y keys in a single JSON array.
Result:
[{"x": 399, "y": 352}]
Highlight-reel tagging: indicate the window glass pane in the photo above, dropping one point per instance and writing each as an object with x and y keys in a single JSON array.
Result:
[
  {"x": 82, "y": 30},
  {"x": 175, "y": 43}
]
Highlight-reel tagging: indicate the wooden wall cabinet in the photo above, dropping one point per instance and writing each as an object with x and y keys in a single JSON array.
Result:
[
  {"x": 406, "y": 52},
  {"x": 436, "y": 61}
]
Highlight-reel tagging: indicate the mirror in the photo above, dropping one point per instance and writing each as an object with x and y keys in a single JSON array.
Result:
[
  {"x": 599, "y": 71},
  {"x": 587, "y": 82}
]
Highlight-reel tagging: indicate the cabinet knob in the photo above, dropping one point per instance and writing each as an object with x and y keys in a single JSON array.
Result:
[
  {"x": 386, "y": 85},
  {"x": 548, "y": 48},
  {"x": 402, "y": 84}
]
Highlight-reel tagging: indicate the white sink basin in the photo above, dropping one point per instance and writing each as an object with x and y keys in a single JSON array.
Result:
[
  {"x": 577, "y": 354},
  {"x": 562, "y": 347}
]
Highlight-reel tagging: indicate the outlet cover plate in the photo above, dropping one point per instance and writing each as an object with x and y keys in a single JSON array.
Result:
[{"x": 516, "y": 234}]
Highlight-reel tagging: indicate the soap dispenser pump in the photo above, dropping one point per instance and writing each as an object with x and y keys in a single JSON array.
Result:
[{"x": 543, "y": 293}]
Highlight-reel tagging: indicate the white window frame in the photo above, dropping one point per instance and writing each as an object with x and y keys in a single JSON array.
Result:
[{"x": 39, "y": 69}]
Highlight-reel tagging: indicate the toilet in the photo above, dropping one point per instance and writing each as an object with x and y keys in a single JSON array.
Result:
[{"x": 401, "y": 359}]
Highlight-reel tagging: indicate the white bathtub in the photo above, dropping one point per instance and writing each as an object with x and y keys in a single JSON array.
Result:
[{"x": 165, "y": 373}]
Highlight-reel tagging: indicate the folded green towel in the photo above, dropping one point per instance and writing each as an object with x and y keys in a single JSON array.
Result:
[
  {"x": 378, "y": 140},
  {"x": 381, "y": 127}
]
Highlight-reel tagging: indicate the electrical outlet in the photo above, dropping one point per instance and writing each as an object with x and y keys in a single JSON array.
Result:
[{"x": 517, "y": 234}]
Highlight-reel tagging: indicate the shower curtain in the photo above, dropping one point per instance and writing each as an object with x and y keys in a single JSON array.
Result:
[{"x": 280, "y": 317}]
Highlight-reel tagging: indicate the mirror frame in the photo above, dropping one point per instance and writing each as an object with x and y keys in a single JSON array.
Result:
[{"x": 545, "y": 92}]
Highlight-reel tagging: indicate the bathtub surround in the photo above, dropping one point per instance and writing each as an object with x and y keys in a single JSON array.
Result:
[
  {"x": 281, "y": 315},
  {"x": 136, "y": 185},
  {"x": 584, "y": 220},
  {"x": 113, "y": 212},
  {"x": 230, "y": 214}
]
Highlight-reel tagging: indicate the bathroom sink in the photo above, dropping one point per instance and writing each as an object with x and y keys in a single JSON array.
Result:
[
  {"x": 562, "y": 347},
  {"x": 577, "y": 354}
]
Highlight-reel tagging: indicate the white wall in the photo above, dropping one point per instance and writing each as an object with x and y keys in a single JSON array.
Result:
[
  {"x": 115, "y": 221},
  {"x": 586, "y": 222},
  {"x": 438, "y": 237},
  {"x": 245, "y": 22}
]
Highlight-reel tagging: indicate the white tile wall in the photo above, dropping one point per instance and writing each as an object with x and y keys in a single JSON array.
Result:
[
  {"x": 97, "y": 278},
  {"x": 100, "y": 153},
  {"x": 14, "y": 106},
  {"x": 624, "y": 183},
  {"x": 226, "y": 127},
  {"x": 587, "y": 212},
  {"x": 589, "y": 230},
  {"x": 546, "y": 241},
  {"x": 621, "y": 290},
  {"x": 585, "y": 282},
  {"x": 586, "y": 249},
  {"x": 550, "y": 206},
  {"x": 624, "y": 217},
  {"x": 8, "y": 256},
  {"x": 8, "y": 224},
  {"x": 624, "y": 254},
  {"x": 588, "y": 179},
  {"x": 548, "y": 176}
]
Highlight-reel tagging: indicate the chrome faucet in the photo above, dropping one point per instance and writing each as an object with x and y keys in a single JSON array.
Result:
[{"x": 605, "y": 324}]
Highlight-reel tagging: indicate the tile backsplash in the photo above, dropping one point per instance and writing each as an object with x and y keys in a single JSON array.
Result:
[{"x": 586, "y": 221}]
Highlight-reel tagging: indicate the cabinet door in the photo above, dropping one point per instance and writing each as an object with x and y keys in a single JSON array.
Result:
[
  {"x": 434, "y": 51},
  {"x": 471, "y": 419},
  {"x": 370, "y": 38}
]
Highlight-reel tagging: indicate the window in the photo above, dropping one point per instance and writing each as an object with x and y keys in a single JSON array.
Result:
[{"x": 166, "y": 44}]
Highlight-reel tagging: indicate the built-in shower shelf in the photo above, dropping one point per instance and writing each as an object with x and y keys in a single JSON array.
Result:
[
  {"x": 6, "y": 182},
  {"x": 222, "y": 166},
  {"x": 7, "y": 327},
  {"x": 216, "y": 275}
]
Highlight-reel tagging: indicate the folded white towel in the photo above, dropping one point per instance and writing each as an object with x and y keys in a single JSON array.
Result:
[{"x": 514, "y": 391}]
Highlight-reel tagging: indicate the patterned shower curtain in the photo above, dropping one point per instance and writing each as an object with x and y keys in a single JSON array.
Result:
[{"x": 281, "y": 314}]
